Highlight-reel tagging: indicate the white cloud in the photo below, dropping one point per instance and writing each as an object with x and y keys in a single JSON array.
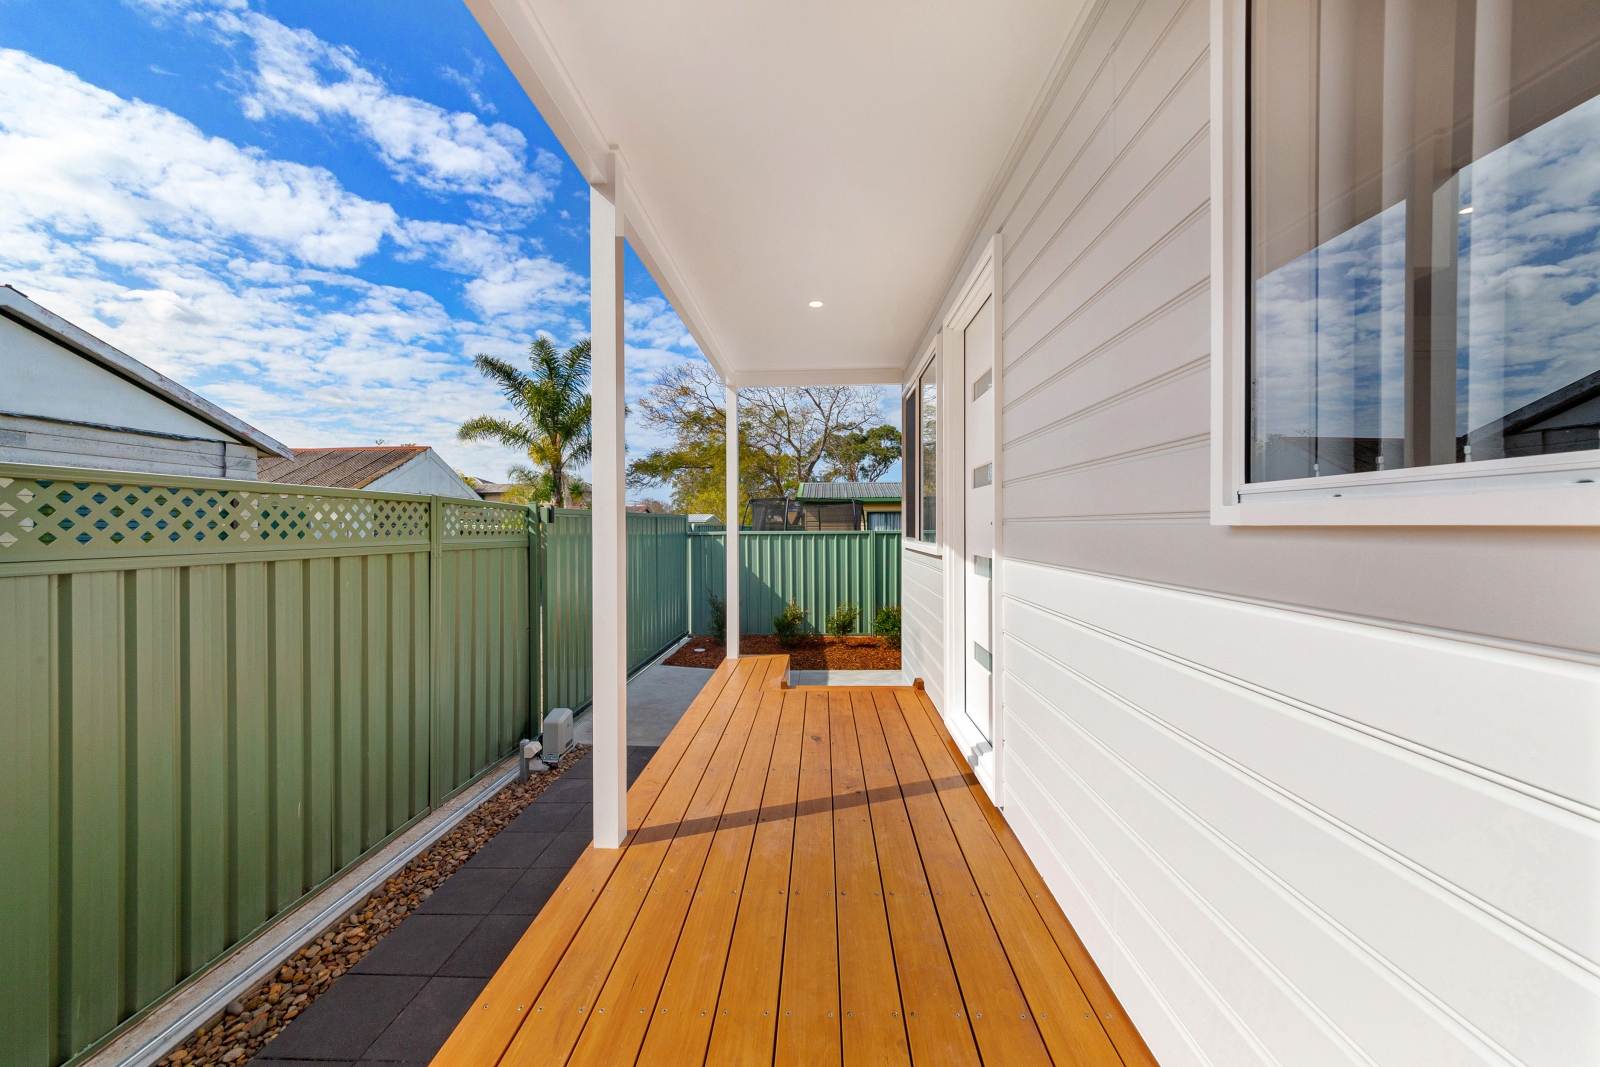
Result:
[
  {"x": 237, "y": 273},
  {"x": 470, "y": 84},
  {"x": 298, "y": 74}
]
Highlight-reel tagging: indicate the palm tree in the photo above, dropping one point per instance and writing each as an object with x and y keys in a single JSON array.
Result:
[{"x": 553, "y": 424}]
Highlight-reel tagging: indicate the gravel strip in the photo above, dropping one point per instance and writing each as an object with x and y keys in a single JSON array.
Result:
[{"x": 259, "y": 1016}]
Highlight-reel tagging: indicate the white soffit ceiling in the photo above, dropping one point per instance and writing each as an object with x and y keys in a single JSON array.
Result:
[{"x": 779, "y": 153}]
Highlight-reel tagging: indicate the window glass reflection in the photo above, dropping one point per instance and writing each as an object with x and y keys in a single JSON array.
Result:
[
  {"x": 928, "y": 468},
  {"x": 1425, "y": 233}
]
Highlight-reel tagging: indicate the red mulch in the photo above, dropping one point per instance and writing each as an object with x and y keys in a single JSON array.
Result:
[{"x": 818, "y": 652}]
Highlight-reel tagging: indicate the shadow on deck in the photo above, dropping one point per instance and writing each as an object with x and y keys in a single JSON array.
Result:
[{"x": 813, "y": 877}]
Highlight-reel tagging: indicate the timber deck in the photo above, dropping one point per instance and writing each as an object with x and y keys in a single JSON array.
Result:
[{"x": 812, "y": 877}]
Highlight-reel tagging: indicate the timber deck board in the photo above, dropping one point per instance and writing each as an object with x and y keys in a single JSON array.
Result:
[{"x": 812, "y": 877}]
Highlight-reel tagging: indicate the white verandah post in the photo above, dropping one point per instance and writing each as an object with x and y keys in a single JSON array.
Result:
[
  {"x": 608, "y": 518},
  {"x": 731, "y": 539}
]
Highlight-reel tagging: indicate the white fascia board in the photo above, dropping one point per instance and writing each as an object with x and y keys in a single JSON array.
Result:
[
  {"x": 798, "y": 376},
  {"x": 18, "y": 307},
  {"x": 517, "y": 35},
  {"x": 652, "y": 252}
]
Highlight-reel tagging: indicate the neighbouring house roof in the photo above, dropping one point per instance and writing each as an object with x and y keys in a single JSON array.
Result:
[
  {"x": 850, "y": 491},
  {"x": 17, "y": 306},
  {"x": 339, "y": 468},
  {"x": 1530, "y": 415}
]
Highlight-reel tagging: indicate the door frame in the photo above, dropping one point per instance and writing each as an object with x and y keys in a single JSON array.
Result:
[{"x": 986, "y": 756}]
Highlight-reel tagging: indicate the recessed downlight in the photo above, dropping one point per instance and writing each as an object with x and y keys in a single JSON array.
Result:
[
  {"x": 816, "y": 303},
  {"x": 1465, "y": 211}
]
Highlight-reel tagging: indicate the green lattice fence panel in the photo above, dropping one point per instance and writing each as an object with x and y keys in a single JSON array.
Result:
[
  {"x": 819, "y": 569},
  {"x": 48, "y": 517},
  {"x": 475, "y": 522}
]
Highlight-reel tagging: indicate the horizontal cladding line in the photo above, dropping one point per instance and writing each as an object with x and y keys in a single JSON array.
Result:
[
  {"x": 1182, "y": 370},
  {"x": 1444, "y": 1013},
  {"x": 1437, "y": 633},
  {"x": 1016, "y": 812},
  {"x": 1528, "y": 789},
  {"x": 1066, "y": 124},
  {"x": 1158, "y": 518},
  {"x": 1182, "y": 226},
  {"x": 1195, "y": 896},
  {"x": 1105, "y": 234},
  {"x": 1537, "y": 939},
  {"x": 1199, "y": 65},
  {"x": 1198, "y": 289},
  {"x": 1182, "y": 444},
  {"x": 1199, "y": 899}
]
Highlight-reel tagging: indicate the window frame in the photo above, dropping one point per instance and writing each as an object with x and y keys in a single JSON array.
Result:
[
  {"x": 911, "y": 479},
  {"x": 1562, "y": 489}
]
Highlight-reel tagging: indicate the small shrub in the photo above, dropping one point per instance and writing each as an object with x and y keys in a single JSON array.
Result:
[
  {"x": 887, "y": 625},
  {"x": 790, "y": 625},
  {"x": 719, "y": 616},
  {"x": 843, "y": 619}
]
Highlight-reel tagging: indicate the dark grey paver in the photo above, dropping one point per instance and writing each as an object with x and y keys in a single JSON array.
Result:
[
  {"x": 343, "y": 1022},
  {"x": 422, "y": 1028},
  {"x": 565, "y": 849},
  {"x": 567, "y": 790},
  {"x": 531, "y": 891},
  {"x": 511, "y": 850},
  {"x": 402, "y": 1001},
  {"x": 545, "y": 817},
  {"x": 418, "y": 946},
  {"x": 470, "y": 892},
  {"x": 481, "y": 954}
]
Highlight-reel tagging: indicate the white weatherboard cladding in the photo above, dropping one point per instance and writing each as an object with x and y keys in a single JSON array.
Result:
[
  {"x": 1309, "y": 795},
  {"x": 922, "y": 619},
  {"x": 59, "y": 444}
]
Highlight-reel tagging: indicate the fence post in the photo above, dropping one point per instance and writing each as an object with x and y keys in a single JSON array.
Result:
[
  {"x": 869, "y": 603},
  {"x": 435, "y": 640},
  {"x": 535, "y": 620}
]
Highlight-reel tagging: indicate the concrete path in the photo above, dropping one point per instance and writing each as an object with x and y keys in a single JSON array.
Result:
[
  {"x": 401, "y": 1001},
  {"x": 843, "y": 678},
  {"x": 657, "y": 699}
]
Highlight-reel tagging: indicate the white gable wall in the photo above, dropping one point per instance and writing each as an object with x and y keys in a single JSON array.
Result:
[
  {"x": 60, "y": 409},
  {"x": 427, "y": 474},
  {"x": 1310, "y": 795}
]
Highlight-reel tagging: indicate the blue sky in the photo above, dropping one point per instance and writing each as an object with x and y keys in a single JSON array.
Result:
[{"x": 312, "y": 213}]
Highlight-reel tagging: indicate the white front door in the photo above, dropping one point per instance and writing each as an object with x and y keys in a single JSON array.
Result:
[{"x": 978, "y": 491}]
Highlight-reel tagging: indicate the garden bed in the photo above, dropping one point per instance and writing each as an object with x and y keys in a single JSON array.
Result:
[{"x": 816, "y": 652}]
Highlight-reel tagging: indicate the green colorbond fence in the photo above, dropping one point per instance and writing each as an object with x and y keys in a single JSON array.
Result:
[
  {"x": 216, "y": 696},
  {"x": 657, "y": 606},
  {"x": 819, "y": 569}
]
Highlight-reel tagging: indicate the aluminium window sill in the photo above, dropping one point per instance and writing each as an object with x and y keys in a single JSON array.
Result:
[{"x": 1559, "y": 490}]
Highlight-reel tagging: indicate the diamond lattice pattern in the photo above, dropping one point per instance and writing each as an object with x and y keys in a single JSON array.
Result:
[
  {"x": 466, "y": 520},
  {"x": 53, "y": 515}
]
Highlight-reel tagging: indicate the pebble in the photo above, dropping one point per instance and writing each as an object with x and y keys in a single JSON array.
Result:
[{"x": 251, "y": 1021}]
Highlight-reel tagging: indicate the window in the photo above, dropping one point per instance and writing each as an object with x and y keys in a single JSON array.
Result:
[
  {"x": 883, "y": 520},
  {"x": 1424, "y": 233},
  {"x": 919, "y": 459},
  {"x": 927, "y": 462}
]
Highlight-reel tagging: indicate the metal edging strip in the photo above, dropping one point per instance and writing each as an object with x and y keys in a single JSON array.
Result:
[{"x": 287, "y": 944}]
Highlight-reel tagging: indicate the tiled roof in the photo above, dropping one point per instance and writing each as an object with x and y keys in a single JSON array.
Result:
[
  {"x": 850, "y": 491},
  {"x": 338, "y": 468}
]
